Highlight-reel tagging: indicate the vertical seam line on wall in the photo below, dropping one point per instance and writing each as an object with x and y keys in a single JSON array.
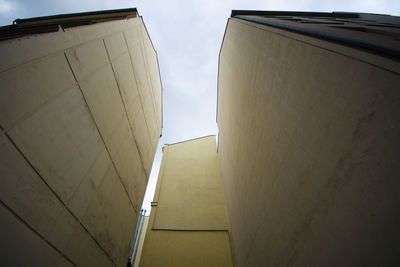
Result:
[
  {"x": 55, "y": 194},
  {"x": 101, "y": 136},
  {"x": 146, "y": 64},
  {"x": 33, "y": 229},
  {"x": 161, "y": 95},
  {"x": 86, "y": 173},
  {"x": 142, "y": 51},
  {"x": 137, "y": 86},
  {"x": 126, "y": 113},
  {"x": 159, "y": 74},
  {"x": 144, "y": 56},
  {"x": 32, "y": 111},
  {"x": 63, "y": 49},
  {"x": 58, "y": 197}
]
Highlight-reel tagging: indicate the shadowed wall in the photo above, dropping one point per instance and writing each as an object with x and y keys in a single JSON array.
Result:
[
  {"x": 80, "y": 115},
  {"x": 308, "y": 145}
]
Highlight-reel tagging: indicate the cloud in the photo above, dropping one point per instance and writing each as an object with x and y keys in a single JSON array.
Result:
[
  {"x": 187, "y": 36},
  {"x": 5, "y": 7},
  {"x": 7, "y": 10}
]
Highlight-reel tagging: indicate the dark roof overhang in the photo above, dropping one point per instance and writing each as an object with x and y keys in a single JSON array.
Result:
[{"x": 22, "y": 27}]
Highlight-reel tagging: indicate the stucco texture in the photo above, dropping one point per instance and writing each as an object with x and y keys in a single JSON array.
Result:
[
  {"x": 188, "y": 223},
  {"x": 308, "y": 146},
  {"x": 78, "y": 137}
]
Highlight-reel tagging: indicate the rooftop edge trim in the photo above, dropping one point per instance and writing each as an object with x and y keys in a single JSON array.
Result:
[
  {"x": 380, "y": 50},
  {"x": 294, "y": 13},
  {"x": 46, "y": 24}
]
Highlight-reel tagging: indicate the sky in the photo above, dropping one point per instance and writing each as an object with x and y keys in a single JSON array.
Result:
[{"x": 187, "y": 36}]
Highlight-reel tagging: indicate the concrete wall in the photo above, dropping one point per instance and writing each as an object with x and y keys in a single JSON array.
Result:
[
  {"x": 188, "y": 224},
  {"x": 80, "y": 116},
  {"x": 308, "y": 145}
]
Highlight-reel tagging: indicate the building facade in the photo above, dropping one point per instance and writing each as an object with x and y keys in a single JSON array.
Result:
[
  {"x": 80, "y": 116},
  {"x": 309, "y": 123},
  {"x": 188, "y": 224}
]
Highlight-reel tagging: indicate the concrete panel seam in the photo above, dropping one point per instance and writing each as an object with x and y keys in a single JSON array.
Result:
[
  {"x": 323, "y": 48},
  {"x": 27, "y": 115},
  {"x": 102, "y": 139},
  {"x": 83, "y": 179},
  {"x": 112, "y": 161},
  {"x": 142, "y": 51},
  {"x": 147, "y": 32},
  {"x": 92, "y": 72},
  {"x": 119, "y": 56},
  {"x": 19, "y": 218},
  {"x": 58, "y": 198},
  {"x": 137, "y": 86},
  {"x": 63, "y": 50},
  {"x": 161, "y": 96},
  {"x": 126, "y": 113},
  {"x": 144, "y": 55},
  {"x": 158, "y": 66},
  {"x": 190, "y": 230}
]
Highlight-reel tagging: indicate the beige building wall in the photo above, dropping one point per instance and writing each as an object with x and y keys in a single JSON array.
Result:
[
  {"x": 308, "y": 146},
  {"x": 80, "y": 116},
  {"x": 188, "y": 223}
]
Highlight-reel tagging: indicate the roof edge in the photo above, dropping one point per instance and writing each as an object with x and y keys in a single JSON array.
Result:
[
  {"x": 294, "y": 13},
  {"x": 47, "y": 24},
  {"x": 112, "y": 13}
]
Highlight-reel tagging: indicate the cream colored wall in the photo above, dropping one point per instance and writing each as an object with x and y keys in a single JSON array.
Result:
[
  {"x": 189, "y": 225},
  {"x": 308, "y": 134},
  {"x": 191, "y": 194},
  {"x": 80, "y": 121},
  {"x": 187, "y": 248}
]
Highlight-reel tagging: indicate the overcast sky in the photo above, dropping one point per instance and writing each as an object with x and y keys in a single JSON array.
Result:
[{"x": 187, "y": 36}]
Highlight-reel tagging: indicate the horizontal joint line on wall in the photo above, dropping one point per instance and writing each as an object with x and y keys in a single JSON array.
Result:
[{"x": 190, "y": 230}]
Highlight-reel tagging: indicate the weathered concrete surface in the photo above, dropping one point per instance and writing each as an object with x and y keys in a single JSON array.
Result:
[
  {"x": 105, "y": 207},
  {"x": 76, "y": 151},
  {"x": 23, "y": 192},
  {"x": 308, "y": 134},
  {"x": 134, "y": 43},
  {"x": 61, "y": 141},
  {"x": 191, "y": 191},
  {"x": 189, "y": 226},
  {"x": 125, "y": 78},
  {"x": 187, "y": 248},
  {"x": 41, "y": 80},
  {"x": 17, "y": 239}
]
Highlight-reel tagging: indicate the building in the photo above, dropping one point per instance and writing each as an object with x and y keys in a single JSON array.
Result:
[
  {"x": 188, "y": 223},
  {"x": 309, "y": 125},
  {"x": 80, "y": 116}
]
